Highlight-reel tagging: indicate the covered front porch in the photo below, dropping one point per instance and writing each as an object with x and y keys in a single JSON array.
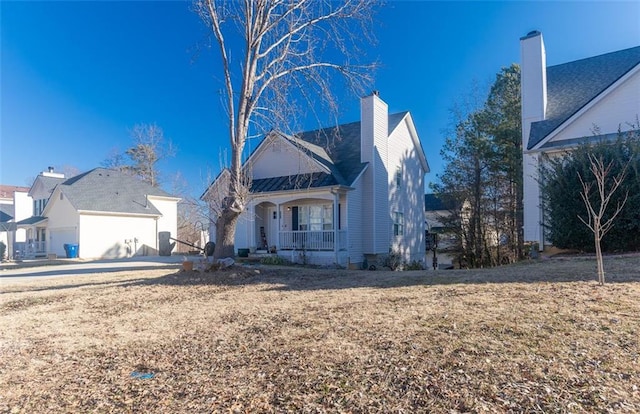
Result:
[
  {"x": 35, "y": 242},
  {"x": 304, "y": 228}
]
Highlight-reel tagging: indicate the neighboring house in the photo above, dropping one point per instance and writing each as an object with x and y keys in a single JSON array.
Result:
[
  {"x": 337, "y": 195},
  {"x": 436, "y": 212},
  {"x": 107, "y": 213},
  {"x": 569, "y": 104},
  {"x": 14, "y": 206}
]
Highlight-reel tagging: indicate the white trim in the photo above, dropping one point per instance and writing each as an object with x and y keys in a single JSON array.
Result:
[
  {"x": 116, "y": 213},
  {"x": 164, "y": 198},
  {"x": 283, "y": 137},
  {"x": 585, "y": 108},
  {"x": 408, "y": 119}
]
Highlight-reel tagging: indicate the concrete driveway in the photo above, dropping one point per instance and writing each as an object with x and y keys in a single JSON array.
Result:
[{"x": 30, "y": 270}]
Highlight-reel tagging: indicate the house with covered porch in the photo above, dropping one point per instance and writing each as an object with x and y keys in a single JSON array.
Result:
[{"x": 345, "y": 195}]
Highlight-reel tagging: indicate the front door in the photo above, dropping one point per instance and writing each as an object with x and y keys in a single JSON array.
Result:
[{"x": 272, "y": 226}]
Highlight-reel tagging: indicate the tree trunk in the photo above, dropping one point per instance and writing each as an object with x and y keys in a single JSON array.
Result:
[
  {"x": 225, "y": 234},
  {"x": 599, "y": 261}
]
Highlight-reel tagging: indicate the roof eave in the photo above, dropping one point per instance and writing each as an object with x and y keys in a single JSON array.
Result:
[
  {"x": 585, "y": 108},
  {"x": 118, "y": 213}
]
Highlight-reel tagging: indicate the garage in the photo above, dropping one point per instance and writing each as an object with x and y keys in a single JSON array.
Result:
[{"x": 59, "y": 237}]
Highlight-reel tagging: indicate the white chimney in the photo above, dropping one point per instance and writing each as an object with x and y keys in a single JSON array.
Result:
[
  {"x": 374, "y": 125},
  {"x": 533, "y": 81},
  {"x": 533, "y": 84},
  {"x": 374, "y": 138}
]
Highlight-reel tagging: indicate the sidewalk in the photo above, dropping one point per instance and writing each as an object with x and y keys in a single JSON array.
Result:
[{"x": 27, "y": 263}]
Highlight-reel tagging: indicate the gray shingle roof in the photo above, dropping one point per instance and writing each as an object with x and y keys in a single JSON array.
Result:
[
  {"x": 31, "y": 220},
  {"x": 572, "y": 85},
  {"x": 110, "y": 191},
  {"x": 6, "y": 212},
  {"x": 5, "y": 217},
  {"x": 341, "y": 147},
  {"x": 49, "y": 183}
]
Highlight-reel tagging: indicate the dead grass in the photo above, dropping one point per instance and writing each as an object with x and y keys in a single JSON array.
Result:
[{"x": 533, "y": 337}]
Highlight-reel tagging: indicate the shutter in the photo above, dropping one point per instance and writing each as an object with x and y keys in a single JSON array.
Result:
[{"x": 294, "y": 218}]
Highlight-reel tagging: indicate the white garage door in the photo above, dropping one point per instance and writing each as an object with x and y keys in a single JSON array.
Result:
[{"x": 60, "y": 237}]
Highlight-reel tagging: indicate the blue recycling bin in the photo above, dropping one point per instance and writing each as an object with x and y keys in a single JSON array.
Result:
[{"x": 71, "y": 250}]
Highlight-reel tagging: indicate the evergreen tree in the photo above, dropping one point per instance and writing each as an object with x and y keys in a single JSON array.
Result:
[
  {"x": 483, "y": 175},
  {"x": 561, "y": 188}
]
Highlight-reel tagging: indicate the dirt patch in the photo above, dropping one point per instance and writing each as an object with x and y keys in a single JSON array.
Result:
[{"x": 534, "y": 337}]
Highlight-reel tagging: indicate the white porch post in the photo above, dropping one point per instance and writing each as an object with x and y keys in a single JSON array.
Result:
[
  {"x": 279, "y": 213},
  {"x": 336, "y": 236},
  {"x": 252, "y": 227}
]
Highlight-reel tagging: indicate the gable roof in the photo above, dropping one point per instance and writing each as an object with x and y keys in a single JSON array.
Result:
[
  {"x": 572, "y": 85},
  {"x": 111, "y": 191},
  {"x": 338, "y": 147},
  {"x": 49, "y": 183}
]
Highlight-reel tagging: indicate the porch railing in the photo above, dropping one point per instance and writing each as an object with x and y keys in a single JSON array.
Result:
[
  {"x": 313, "y": 240},
  {"x": 29, "y": 249}
]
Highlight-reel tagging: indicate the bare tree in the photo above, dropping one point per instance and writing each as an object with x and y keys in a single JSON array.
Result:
[
  {"x": 140, "y": 160},
  {"x": 596, "y": 206},
  {"x": 290, "y": 50},
  {"x": 148, "y": 148}
]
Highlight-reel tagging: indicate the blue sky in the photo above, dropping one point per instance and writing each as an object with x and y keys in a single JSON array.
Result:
[{"x": 77, "y": 76}]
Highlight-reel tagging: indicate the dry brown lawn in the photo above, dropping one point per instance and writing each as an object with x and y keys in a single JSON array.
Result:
[{"x": 532, "y": 337}]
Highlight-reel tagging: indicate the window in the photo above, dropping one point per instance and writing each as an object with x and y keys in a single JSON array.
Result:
[
  {"x": 398, "y": 224},
  {"x": 38, "y": 206},
  {"x": 315, "y": 218},
  {"x": 399, "y": 177}
]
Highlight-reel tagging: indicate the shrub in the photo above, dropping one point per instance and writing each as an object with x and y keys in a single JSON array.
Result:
[
  {"x": 414, "y": 265},
  {"x": 393, "y": 260},
  {"x": 3, "y": 250},
  {"x": 274, "y": 260},
  {"x": 561, "y": 190}
]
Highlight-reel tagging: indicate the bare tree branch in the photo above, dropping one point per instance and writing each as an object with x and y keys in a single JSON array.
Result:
[
  {"x": 596, "y": 209},
  {"x": 288, "y": 49}
]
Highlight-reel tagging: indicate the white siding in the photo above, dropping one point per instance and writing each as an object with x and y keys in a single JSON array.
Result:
[
  {"x": 533, "y": 82},
  {"x": 279, "y": 158},
  {"x": 616, "y": 109},
  {"x": 169, "y": 210},
  {"x": 408, "y": 197},
  {"x": 355, "y": 223},
  {"x": 23, "y": 207},
  {"x": 374, "y": 137},
  {"x": 531, "y": 200},
  {"x": 104, "y": 236},
  {"x": 242, "y": 237},
  {"x": 63, "y": 221}
]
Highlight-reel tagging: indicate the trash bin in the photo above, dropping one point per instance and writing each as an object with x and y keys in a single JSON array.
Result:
[
  {"x": 243, "y": 252},
  {"x": 71, "y": 250}
]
